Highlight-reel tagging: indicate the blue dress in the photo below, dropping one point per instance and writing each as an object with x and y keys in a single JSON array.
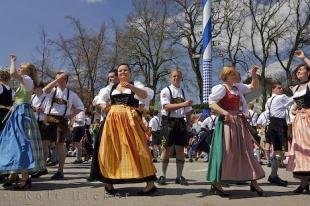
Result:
[{"x": 20, "y": 140}]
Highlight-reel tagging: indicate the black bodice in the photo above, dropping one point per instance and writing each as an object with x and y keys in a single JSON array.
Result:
[
  {"x": 304, "y": 100},
  {"x": 123, "y": 99}
]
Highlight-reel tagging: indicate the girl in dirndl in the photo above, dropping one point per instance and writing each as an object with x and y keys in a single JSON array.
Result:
[
  {"x": 124, "y": 156},
  {"x": 20, "y": 140},
  {"x": 299, "y": 154},
  {"x": 231, "y": 156}
]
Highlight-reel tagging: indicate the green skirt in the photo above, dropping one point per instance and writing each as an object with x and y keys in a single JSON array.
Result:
[{"x": 216, "y": 154}]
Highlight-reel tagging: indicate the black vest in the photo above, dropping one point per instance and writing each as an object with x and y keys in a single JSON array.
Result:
[
  {"x": 303, "y": 101},
  {"x": 6, "y": 97}
]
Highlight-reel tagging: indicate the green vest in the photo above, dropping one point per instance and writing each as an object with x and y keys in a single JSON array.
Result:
[{"x": 22, "y": 96}]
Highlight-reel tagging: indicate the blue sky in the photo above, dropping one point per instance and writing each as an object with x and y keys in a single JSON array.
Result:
[{"x": 21, "y": 21}]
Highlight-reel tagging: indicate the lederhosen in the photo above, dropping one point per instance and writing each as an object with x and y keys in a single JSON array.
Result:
[
  {"x": 174, "y": 129},
  {"x": 40, "y": 122},
  {"x": 277, "y": 132},
  {"x": 6, "y": 101},
  {"x": 57, "y": 125}
]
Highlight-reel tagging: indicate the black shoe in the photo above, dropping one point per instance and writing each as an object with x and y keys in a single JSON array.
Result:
[
  {"x": 300, "y": 189},
  {"x": 90, "y": 179},
  {"x": 254, "y": 189},
  {"x": 8, "y": 183},
  {"x": 57, "y": 176},
  {"x": 52, "y": 163},
  {"x": 25, "y": 186},
  {"x": 181, "y": 180},
  {"x": 77, "y": 162},
  {"x": 277, "y": 181},
  {"x": 190, "y": 160},
  {"x": 268, "y": 164},
  {"x": 110, "y": 191},
  {"x": 216, "y": 191},
  {"x": 147, "y": 192},
  {"x": 39, "y": 173},
  {"x": 161, "y": 180},
  {"x": 2, "y": 178},
  {"x": 154, "y": 160}
]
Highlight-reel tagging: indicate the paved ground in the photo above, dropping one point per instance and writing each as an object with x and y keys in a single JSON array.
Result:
[{"x": 75, "y": 191}]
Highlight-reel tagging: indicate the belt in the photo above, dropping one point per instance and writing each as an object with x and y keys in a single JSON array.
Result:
[
  {"x": 173, "y": 118},
  {"x": 278, "y": 119},
  {"x": 57, "y": 116}
]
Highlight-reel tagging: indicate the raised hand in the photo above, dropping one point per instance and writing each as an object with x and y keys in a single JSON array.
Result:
[
  {"x": 299, "y": 54},
  {"x": 13, "y": 57},
  {"x": 62, "y": 76},
  {"x": 254, "y": 69}
]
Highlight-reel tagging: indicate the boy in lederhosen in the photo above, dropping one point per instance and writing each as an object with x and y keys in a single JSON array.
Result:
[
  {"x": 175, "y": 107},
  {"x": 276, "y": 133},
  {"x": 63, "y": 104}
]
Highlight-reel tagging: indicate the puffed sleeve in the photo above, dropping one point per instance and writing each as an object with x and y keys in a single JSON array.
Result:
[
  {"x": 149, "y": 91},
  {"x": 217, "y": 93},
  {"x": 27, "y": 82},
  {"x": 243, "y": 88},
  {"x": 164, "y": 96}
]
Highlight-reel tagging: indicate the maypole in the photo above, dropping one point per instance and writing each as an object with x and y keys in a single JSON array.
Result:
[{"x": 206, "y": 50}]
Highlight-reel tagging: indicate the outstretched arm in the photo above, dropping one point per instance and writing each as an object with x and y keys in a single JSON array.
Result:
[{"x": 13, "y": 72}]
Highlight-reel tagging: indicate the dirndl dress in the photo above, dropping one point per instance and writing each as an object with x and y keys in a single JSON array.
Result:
[
  {"x": 20, "y": 140},
  {"x": 299, "y": 154},
  {"x": 231, "y": 156},
  {"x": 124, "y": 156}
]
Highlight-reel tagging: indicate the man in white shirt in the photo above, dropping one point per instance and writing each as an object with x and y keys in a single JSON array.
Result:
[
  {"x": 209, "y": 122},
  {"x": 154, "y": 126},
  {"x": 175, "y": 107},
  {"x": 276, "y": 134},
  {"x": 78, "y": 131},
  {"x": 99, "y": 100},
  {"x": 63, "y": 104},
  {"x": 262, "y": 125},
  {"x": 38, "y": 103},
  {"x": 252, "y": 115}
]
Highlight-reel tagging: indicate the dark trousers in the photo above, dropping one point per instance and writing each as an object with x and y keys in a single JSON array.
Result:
[{"x": 95, "y": 173}]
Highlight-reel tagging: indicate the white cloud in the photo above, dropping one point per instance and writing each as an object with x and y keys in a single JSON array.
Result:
[{"x": 94, "y": 1}]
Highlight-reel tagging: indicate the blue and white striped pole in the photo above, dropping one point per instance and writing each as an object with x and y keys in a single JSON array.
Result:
[{"x": 206, "y": 49}]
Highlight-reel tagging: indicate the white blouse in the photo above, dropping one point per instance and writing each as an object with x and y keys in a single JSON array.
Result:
[{"x": 105, "y": 94}]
